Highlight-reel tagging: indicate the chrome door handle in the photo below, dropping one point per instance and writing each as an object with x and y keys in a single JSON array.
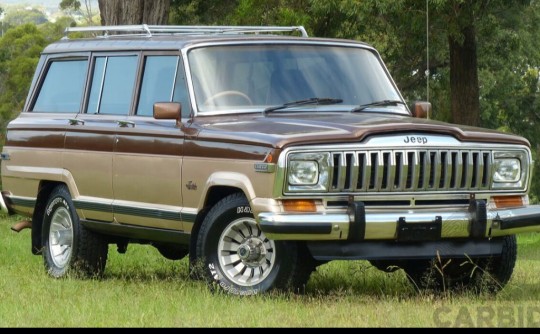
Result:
[
  {"x": 126, "y": 124},
  {"x": 74, "y": 121}
]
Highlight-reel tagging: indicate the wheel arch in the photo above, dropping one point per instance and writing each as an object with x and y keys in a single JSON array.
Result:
[
  {"x": 44, "y": 190},
  {"x": 213, "y": 195}
]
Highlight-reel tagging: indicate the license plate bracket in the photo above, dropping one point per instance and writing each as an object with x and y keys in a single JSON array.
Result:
[{"x": 430, "y": 231}]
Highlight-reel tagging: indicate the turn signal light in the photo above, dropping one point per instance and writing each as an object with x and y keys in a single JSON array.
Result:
[
  {"x": 508, "y": 201},
  {"x": 299, "y": 205}
]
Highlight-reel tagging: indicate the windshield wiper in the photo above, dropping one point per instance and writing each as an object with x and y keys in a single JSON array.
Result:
[
  {"x": 313, "y": 100},
  {"x": 377, "y": 103}
]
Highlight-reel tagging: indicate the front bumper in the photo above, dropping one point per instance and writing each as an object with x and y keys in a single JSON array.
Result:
[{"x": 358, "y": 223}]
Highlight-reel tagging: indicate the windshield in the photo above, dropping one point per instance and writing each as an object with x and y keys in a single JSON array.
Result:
[{"x": 249, "y": 78}]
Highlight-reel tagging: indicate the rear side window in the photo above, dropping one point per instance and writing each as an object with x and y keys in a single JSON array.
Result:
[
  {"x": 62, "y": 88},
  {"x": 112, "y": 85}
]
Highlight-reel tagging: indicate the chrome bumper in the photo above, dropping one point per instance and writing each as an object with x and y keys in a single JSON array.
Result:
[
  {"x": 3, "y": 206},
  {"x": 359, "y": 223}
]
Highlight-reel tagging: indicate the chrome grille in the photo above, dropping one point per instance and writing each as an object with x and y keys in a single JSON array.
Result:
[{"x": 410, "y": 170}]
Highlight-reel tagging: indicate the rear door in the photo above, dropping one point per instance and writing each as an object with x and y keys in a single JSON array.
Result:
[{"x": 91, "y": 135}]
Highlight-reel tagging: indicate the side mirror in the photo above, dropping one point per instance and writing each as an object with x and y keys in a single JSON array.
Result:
[
  {"x": 421, "y": 109},
  {"x": 168, "y": 110}
]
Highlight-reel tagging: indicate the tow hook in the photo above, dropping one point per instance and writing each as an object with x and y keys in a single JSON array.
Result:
[{"x": 21, "y": 225}]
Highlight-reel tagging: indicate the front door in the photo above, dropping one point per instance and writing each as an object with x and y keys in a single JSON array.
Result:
[{"x": 148, "y": 152}]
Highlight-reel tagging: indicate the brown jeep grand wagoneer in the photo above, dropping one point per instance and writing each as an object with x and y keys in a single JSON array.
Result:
[{"x": 260, "y": 152}]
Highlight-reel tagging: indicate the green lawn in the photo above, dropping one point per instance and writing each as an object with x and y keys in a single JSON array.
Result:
[{"x": 143, "y": 289}]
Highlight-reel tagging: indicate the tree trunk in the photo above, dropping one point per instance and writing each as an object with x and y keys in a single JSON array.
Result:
[
  {"x": 126, "y": 12},
  {"x": 465, "y": 94}
]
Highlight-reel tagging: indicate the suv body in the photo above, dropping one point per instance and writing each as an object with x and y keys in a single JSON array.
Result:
[{"x": 258, "y": 154}]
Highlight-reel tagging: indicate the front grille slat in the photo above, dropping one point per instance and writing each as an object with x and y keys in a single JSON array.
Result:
[
  {"x": 459, "y": 170},
  {"x": 411, "y": 170},
  {"x": 486, "y": 174},
  {"x": 468, "y": 162},
  {"x": 342, "y": 171},
  {"x": 437, "y": 170}
]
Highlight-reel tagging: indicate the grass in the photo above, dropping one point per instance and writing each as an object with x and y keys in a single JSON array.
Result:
[{"x": 143, "y": 289}]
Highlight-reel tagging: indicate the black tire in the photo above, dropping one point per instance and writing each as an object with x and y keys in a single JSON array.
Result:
[
  {"x": 254, "y": 264},
  {"x": 499, "y": 269},
  {"x": 68, "y": 247},
  {"x": 467, "y": 274}
]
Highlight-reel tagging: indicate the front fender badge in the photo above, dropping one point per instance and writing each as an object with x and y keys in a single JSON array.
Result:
[{"x": 263, "y": 167}]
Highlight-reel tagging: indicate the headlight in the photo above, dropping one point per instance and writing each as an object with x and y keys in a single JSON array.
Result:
[
  {"x": 510, "y": 170},
  {"x": 507, "y": 170},
  {"x": 307, "y": 172},
  {"x": 303, "y": 173}
]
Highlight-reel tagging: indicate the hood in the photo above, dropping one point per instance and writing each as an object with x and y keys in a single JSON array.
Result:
[{"x": 279, "y": 130}]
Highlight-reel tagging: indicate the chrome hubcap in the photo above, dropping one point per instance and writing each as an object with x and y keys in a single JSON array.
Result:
[
  {"x": 245, "y": 254},
  {"x": 61, "y": 237}
]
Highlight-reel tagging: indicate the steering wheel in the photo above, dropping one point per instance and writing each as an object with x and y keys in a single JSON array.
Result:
[{"x": 228, "y": 93}]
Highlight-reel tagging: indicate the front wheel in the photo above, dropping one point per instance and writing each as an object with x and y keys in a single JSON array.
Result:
[
  {"x": 237, "y": 257},
  {"x": 471, "y": 274},
  {"x": 68, "y": 247}
]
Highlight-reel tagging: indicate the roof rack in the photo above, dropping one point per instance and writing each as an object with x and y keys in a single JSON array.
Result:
[{"x": 152, "y": 30}]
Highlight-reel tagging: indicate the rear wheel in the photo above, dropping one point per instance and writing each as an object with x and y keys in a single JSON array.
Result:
[
  {"x": 238, "y": 258},
  {"x": 471, "y": 274},
  {"x": 68, "y": 247}
]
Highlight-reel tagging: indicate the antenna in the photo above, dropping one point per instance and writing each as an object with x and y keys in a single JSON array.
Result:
[{"x": 427, "y": 52}]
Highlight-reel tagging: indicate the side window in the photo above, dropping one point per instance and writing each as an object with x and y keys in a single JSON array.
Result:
[
  {"x": 62, "y": 88},
  {"x": 157, "y": 83},
  {"x": 112, "y": 85},
  {"x": 163, "y": 81}
]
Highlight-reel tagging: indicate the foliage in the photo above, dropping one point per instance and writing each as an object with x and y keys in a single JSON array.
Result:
[
  {"x": 70, "y": 5},
  {"x": 19, "y": 53},
  {"x": 74, "y": 8},
  {"x": 19, "y": 15},
  {"x": 508, "y": 49}
]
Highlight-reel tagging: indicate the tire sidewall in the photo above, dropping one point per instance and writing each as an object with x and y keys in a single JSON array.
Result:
[
  {"x": 59, "y": 199},
  {"x": 216, "y": 222}
]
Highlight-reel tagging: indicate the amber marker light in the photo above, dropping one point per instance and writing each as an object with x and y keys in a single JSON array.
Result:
[
  {"x": 508, "y": 201},
  {"x": 299, "y": 205},
  {"x": 268, "y": 158}
]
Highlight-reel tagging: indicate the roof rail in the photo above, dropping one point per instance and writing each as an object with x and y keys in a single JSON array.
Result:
[{"x": 152, "y": 30}]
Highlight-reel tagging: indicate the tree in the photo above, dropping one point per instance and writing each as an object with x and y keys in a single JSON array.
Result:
[
  {"x": 207, "y": 12},
  {"x": 70, "y": 5},
  {"x": 464, "y": 90},
  {"x": 74, "y": 7},
  {"x": 19, "y": 53},
  {"x": 240, "y": 12},
  {"x": 2, "y": 21},
  {"x": 126, "y": 12},
  {"x": 20, "y": 16},
  {"x": 398, "y": 29}
]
